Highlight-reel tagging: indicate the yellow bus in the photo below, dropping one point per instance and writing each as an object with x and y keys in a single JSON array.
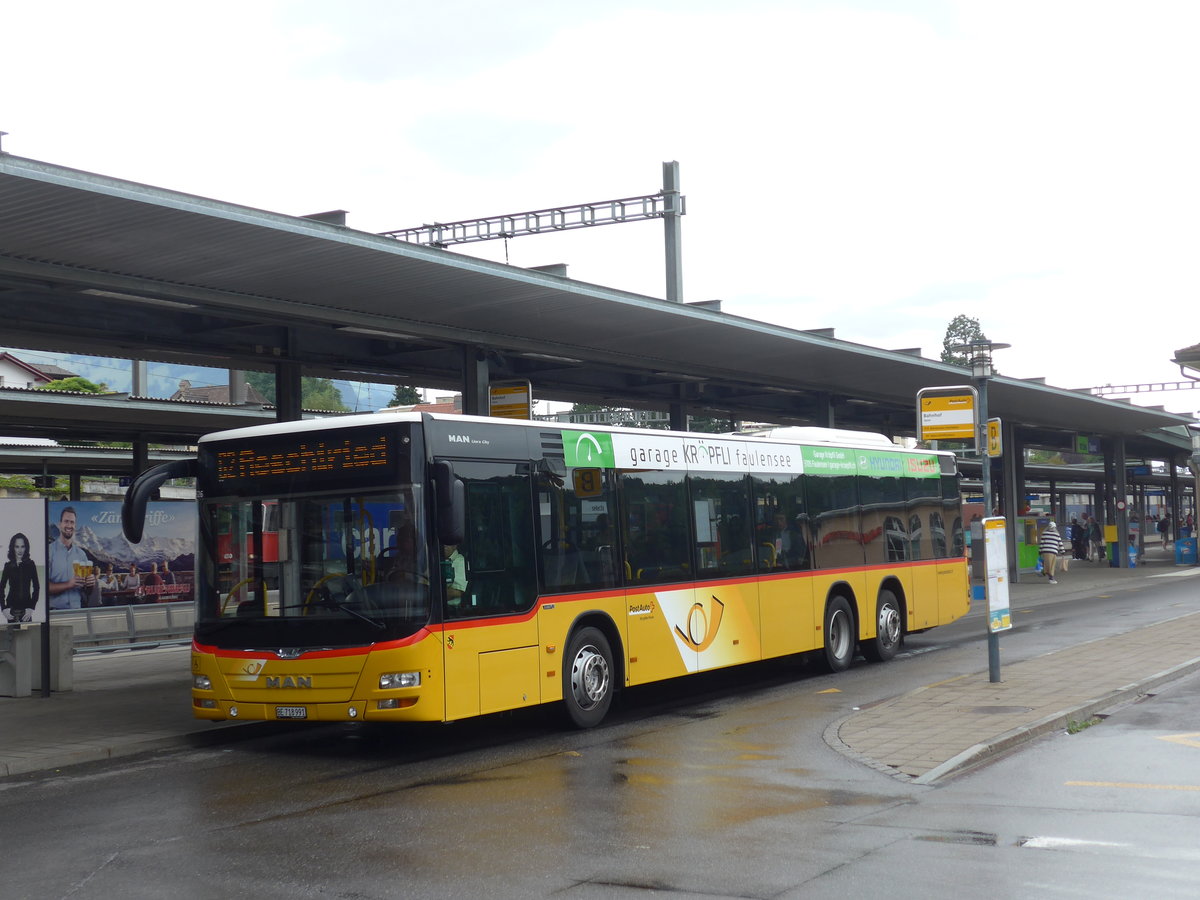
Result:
[{"x": 434, "y": 568}]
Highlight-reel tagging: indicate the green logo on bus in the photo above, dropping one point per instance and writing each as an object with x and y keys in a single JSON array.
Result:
[{"x": 589, "y": 450}]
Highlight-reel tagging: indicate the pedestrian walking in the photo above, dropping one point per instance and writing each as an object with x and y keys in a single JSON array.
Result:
[
  {"x": 1050, "y": 546},
  {"x": 1079, "y": 540}
]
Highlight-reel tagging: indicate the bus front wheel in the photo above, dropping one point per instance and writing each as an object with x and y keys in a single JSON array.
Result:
[
  {"x": 839, "y": 634},
  {"x": 889, "y": 629},
  {"x": 588, "y": 678}
]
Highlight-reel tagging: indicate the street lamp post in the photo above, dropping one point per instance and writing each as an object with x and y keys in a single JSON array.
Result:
[{"x": 979, "y": 354}]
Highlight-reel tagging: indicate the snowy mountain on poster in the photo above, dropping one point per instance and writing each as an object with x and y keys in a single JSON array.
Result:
[{"x": 117, "y": 550}]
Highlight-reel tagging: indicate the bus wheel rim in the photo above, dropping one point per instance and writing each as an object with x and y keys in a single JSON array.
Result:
[
  {"x": 889, "y": 624},
  {"x": 839, "y": 633},
  {"x": 589, "y": 677}
]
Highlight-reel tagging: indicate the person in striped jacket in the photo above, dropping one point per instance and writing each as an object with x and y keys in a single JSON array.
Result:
[{"x": 1050, "y": 546}]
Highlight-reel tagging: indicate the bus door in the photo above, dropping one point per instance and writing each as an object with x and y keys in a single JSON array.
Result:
[
  {"x": 783, "y": 550},
  {"x": 657, "y": 564},
  {"x": 490, "y": 634},
  {"x": 950, "y": 550}
]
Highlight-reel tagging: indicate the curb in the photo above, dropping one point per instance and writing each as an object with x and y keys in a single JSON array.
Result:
[
  {"x": 982, "y": 752},
  {"x": 222, "y": 734}
]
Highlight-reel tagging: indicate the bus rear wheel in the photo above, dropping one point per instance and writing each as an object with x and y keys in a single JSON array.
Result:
[
  {"x": 840, "y": 636},
  {"x": 889, "y": 629},
  {"x": 588, "y": 678}
]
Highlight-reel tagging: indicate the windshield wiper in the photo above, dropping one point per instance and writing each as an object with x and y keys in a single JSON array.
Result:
[{"x": 339, "y": 605}]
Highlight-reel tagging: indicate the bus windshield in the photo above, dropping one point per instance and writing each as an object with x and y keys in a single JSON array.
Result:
[{"x": 313, "y": 570}]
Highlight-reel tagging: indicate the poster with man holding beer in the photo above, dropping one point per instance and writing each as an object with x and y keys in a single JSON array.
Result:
[
  {"x": 71, "y": 573},
  {"x": 90, "y": 563}
]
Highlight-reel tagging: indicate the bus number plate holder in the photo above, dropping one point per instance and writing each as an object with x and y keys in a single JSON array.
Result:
[{"x": 291, "y": 712}]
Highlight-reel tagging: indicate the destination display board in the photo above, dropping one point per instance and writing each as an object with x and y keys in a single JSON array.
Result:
[{"x": 332, "y": 459}]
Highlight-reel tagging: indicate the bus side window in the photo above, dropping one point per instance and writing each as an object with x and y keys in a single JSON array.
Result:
[
  {"x": 836, "y": 522},
  {"x": 723, "y": 528},
  {"x": 781, "y": 523},
  {"x": 576, "y": 543},
  {"x": 656, "y": 527}
]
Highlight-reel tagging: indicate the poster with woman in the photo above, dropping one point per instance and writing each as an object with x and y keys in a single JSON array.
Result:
[{"x": 23, "y": 578}]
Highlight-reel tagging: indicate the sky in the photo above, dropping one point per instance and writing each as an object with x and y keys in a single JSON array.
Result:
[{"x": 873, "y": 167}]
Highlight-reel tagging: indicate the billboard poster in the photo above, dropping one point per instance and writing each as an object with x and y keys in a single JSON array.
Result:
[
  {"x": 90, "y": 563},
  {"x": 23, "y": 582}
]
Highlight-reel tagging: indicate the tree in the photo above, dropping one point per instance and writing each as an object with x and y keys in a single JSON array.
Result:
[
  {"x": 321, "y": 393},
  {"x": 263, "y": 382},
  {"x": 961, "y": 330},
  {"x": 405, "y": 395},
  {"x": 75, "y": 383}
]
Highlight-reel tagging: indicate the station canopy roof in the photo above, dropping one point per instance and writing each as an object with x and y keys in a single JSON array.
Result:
[{"x": 92, "y": 264}]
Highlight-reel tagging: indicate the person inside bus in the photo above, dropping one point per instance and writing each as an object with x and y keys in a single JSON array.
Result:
[
  {"x": 790, "y": 547},
  {"x": 603, "y": 537},
  {"x": 455, "y": 574},
  {"x": 405, "y": 559}
]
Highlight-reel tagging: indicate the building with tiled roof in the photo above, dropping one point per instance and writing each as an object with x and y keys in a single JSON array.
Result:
[
  {"x": 16, "y": 372},
  {"x": 214, "y": 393}
]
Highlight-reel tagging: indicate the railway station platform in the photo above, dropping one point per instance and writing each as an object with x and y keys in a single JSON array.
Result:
[{"x": 131, "y": 702}]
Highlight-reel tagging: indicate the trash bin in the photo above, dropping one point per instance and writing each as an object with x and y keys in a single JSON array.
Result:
[{"x": 1185, "y": 552}]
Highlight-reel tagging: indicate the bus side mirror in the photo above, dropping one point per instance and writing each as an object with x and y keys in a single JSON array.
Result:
[
  {"x": 133, "y": 507},
  {"x": 451, "y": 504}
]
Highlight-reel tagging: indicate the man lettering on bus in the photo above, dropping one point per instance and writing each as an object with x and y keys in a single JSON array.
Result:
[{"x": 67, "y": 588}]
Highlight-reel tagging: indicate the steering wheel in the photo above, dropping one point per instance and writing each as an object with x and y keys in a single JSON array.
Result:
[
  {"x": 241, "y": 584},
  {"x": 319, "y": 588},
  {"x": 396, "y": 573}
]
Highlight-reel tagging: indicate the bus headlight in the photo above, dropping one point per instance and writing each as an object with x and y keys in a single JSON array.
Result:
[
  {"x": 399, "y": 680},
  {"x": 202, "y": 682}
]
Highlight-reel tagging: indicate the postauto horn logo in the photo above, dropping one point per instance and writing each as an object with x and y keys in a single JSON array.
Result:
[{"x": 701, "y": 629}]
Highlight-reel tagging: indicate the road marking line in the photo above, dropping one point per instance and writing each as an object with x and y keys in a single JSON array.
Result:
[
  {"x": 1135, "y": 785},
  {"x": 1188, "y": 739},
  {"x": 1180, "y": 574},
  {"x": 1057, "y": 843}
]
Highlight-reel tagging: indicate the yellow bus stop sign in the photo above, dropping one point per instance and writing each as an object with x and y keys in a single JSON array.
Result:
[
  {"x": 947, "y": 414},
  {"x": 995, "y": 446}
]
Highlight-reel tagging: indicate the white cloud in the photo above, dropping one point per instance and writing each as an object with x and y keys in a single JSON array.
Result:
[{"x": 877, "y": 168}]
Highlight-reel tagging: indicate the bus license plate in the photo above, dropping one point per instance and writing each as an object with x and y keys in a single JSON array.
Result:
[{"x": 291, "y": 712}]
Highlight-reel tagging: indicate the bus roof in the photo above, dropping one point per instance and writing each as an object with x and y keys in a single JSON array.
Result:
[{"x": 865, "y": 440}]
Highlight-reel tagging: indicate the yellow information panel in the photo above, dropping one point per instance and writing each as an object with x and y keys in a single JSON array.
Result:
[
  {"x": 995, "y": 447},
  {"x": 511, "y": 400},
  {"x": 946, "y": 414}
]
